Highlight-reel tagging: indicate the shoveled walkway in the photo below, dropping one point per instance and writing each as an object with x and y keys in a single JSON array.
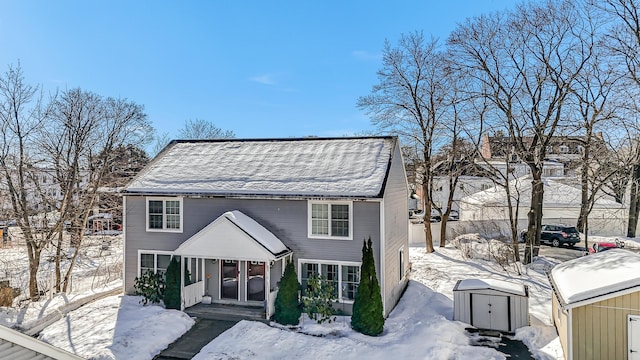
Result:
[
  {"x": 200, "y": 334},
  {"x": 211, "y": 321}
]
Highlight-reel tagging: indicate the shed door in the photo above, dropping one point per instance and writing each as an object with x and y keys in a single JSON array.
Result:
[
  {"x": 634, "y": 337},
  {"x": 490, "y": 312}
]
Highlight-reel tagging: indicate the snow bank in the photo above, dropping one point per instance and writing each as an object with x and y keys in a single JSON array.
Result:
[{"x": 117, "y": 327}]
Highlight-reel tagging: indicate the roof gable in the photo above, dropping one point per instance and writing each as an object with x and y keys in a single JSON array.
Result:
[
  {"x": 233, "y": 235},
  {"x": 341, "y": 167}
]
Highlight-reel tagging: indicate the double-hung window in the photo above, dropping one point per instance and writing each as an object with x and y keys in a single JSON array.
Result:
[
  {"x": 156, "y": 262},
  {"x": 332, "y": 220},
  {"x": 164, "y": 214}
]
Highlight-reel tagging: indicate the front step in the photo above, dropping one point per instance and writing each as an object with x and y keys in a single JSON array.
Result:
[{"x": 226, "y": 312}]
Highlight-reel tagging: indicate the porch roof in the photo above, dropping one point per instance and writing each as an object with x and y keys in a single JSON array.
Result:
[{"x": 234, "y": 236}]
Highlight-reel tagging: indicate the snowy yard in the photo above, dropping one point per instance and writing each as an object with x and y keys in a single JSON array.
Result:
[{"x": 420, "y": 327}]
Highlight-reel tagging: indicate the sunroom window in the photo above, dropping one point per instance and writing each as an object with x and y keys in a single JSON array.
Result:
[{"x": 343, "y": 278}]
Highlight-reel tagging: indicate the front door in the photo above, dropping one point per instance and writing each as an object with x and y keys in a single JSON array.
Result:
[
  {"x": 255, "y": 281},
  {"x": 229, "y": 283}
]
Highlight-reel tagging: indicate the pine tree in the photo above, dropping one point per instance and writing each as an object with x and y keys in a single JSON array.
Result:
[
  {"x": 172, "y": 289},
  {"x": 287, "y": 306},
  {"x": 367, "y": 317}
]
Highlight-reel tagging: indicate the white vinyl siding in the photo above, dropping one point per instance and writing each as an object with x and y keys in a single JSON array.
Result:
[
  {"x": 330, "y": 220},
  {"x": 164, "y": 214}
]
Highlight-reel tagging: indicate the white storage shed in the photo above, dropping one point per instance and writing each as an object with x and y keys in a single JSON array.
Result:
[{"x": 491, "y": 304}]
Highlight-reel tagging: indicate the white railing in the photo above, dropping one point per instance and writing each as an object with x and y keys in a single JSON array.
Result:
[{"x": 193, "y": 293}]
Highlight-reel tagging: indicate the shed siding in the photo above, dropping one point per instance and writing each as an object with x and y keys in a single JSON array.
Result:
[
  {"x": 286, "y": 219},
  {"x": 600, "y": 328},
  {"x": 560, "y": 319},
  {"x": 519, "y": 306},
  {"x": 396, "y": 228}
]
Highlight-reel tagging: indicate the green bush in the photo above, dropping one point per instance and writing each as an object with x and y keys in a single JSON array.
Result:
[
  {"x": 150, "y": 286},
  {"x": 287, "y": 306},
  {"x": 172, "y": 287},
  {"x": 318, "y": 299},
  {"x": 367, "y": 316}
]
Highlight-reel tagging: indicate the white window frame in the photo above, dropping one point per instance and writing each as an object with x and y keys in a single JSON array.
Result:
[
  {"x": 310, "y": 234},
  {"x": 340, "y": 264},
  {"x": 164, "y": 207},
  {"x": 155, "y": 254}
]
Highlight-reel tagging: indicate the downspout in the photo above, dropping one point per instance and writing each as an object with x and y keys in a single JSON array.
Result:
[
  {"x": 124, "y": 243},
  {"x": 181, "y": 284},
  {"x": 267, "y": 290},
  {"x": 382, "y": 260}
]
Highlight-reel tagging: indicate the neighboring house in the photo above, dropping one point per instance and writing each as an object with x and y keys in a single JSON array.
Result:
[
  {"x": 237, "y": 210},
  {"x": 561, "y": 203},
  {"x": 596, "y": 305},
  {"x": 565, "y": 149}
]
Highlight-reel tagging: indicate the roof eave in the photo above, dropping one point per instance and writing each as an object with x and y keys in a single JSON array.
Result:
[{"x": 251, "y": 196}]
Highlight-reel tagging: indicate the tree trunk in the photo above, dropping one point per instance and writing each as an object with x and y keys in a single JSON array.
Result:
[
  {"x": 58, "y": 254},
  {"x": 426, "y": 184},
  {"x": 634, "y": 201},
  {"x": 34, "y": 264},
  {"x": 584, "y": 196},
  {"x": 443, "y": 227},
  {"x": 428, "y": 236},
  {"x": 535, "y": 216}
]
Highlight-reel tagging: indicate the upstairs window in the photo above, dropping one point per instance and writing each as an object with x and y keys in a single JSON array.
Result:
[
  {"x": 164, "y": 214},
  {"x": 330, "y": 220}
]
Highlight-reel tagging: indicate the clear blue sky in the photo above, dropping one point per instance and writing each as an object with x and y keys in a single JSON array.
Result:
[{"x": 261, "y": 68}]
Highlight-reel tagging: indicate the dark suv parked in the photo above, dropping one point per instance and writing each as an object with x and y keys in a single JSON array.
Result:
[{"x": 557, "y": 235}]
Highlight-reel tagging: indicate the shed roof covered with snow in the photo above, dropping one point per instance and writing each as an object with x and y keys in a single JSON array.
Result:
[
  {"x": 595, "y": 277},
  {"x": 341, "y": 167},
  {"x": 491, "y": 284}
]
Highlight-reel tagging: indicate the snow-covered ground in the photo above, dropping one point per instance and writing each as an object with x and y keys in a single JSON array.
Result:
[
  {"x": 117, "y": 327},
  {"x": 420, "y": 327}
]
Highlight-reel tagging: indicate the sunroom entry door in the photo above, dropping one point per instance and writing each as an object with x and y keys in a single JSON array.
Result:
[
  {"x": 229, "y": 283},
  {"x": 255, "y": 281}
]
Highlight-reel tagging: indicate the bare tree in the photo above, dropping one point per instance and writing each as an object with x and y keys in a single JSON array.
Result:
[
  {"x": 529, "y": 59},
  {"x": 203, "y": 129},
  {"x": 409, "y": 101},
  {"x": 93, "y": 127},
  {"x": 625, "y": 36},
  {"x": 597, "y": 99},
  {"x": 21, "y": 117}
]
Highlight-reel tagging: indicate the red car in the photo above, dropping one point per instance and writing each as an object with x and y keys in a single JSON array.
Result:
[{"x": 603, "y": 246}]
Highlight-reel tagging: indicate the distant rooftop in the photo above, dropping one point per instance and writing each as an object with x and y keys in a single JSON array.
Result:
[{"x": 341, "y": 167}]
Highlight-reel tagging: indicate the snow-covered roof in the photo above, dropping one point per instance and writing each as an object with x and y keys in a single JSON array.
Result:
[
  {"x": 256, "y": 231},
  {"x": 593, "y": 276},
  {"x": 342, "y": 167},
  {"x": 556, "y": 194},
  {"x": 491, "y": 284},
  {"x": 234, "y": 235}
]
